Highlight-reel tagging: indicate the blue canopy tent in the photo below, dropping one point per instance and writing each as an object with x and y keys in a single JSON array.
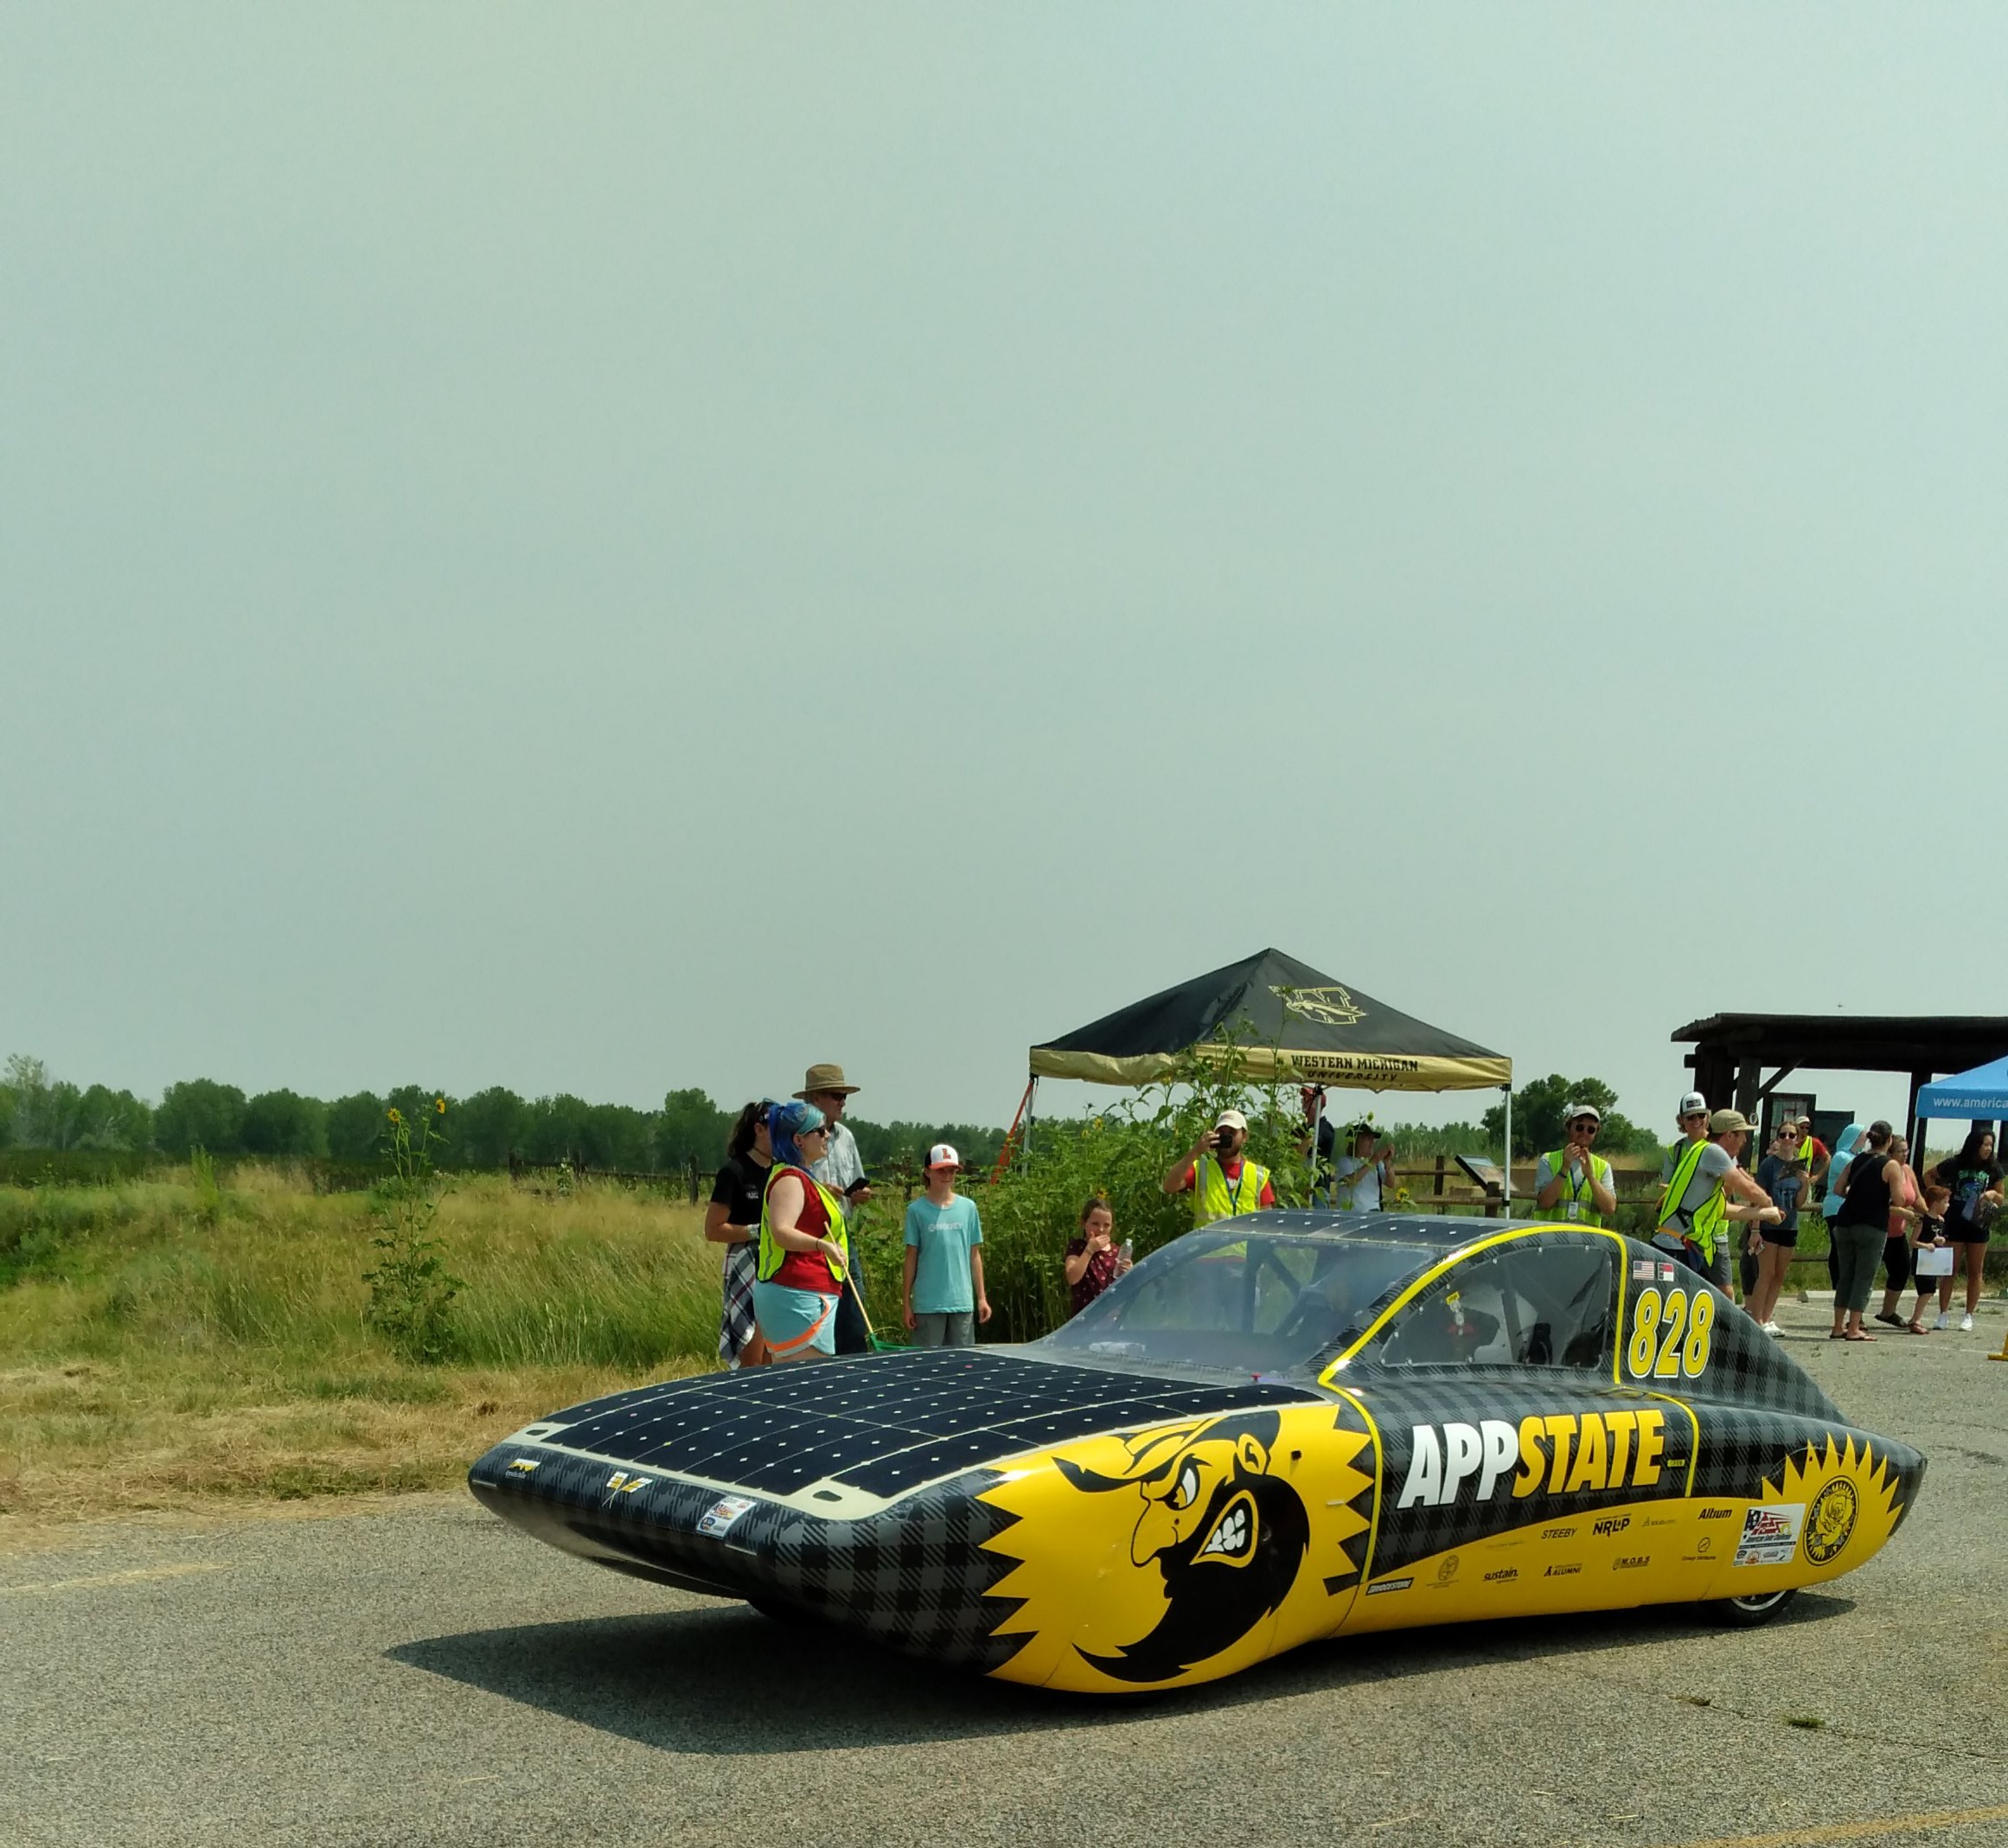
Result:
[{"x": 1980, "y": 1096}]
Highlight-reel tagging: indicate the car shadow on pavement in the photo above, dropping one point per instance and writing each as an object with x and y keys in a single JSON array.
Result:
[{"x": 726, "y": 1680}]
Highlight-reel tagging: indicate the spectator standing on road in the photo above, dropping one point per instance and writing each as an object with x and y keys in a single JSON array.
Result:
[
  {"x": 842, "y": 1170},
  {"x": 1363, "y": 1182},
  {"x": 1572, "y": 1183},
  {"x": 1093, "y": 1260},
  {"x": 1782, "y": 1176},
  {"x": 1695, "y": 1214},
  {"x": 733, "y": 1219},
  {"x": 804, "y": 1250},
  {"x": 1974, "y": 1179},
  {"x": 1846, "y": 1146},
  {"x": 1692, "y": 1116},
  {"x": 1218, "y": 1174},
  {"x": 1905, "y": 1222},
  {"x": 1869, "y": 1191},
  {"x": 941, "y": 1298},
  {"x": 1815, "y": 1154},
  {"x": 1931, "y": 1237}
]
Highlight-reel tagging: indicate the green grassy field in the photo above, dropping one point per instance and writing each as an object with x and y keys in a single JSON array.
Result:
[{"x": 162, "y": 1345}]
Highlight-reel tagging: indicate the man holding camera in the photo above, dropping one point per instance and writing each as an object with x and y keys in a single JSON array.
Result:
[
  {"x": 1221, "y": 1179},
  {"x": 1363, "y": 1180},
  {"x": 1572, "y": 1183}
]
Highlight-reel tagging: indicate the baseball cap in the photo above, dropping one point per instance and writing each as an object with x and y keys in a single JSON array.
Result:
[
  {"x": 1692, "y": 1102},
  {"x": 1230, "y": 1120},
  {"x": 943, "y": 1155},
  {"x": 1582, "y": 1110},
  {"x": 1724, "y": 1121}
]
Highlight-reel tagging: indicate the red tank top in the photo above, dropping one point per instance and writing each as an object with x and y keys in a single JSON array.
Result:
[{"x": 806, "y": 1269}]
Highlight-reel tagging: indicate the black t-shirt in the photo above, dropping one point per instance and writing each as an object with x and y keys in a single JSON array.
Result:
[
  {"x": 1967, "y": 1181},
  {"x": 739, "y": 1185}
]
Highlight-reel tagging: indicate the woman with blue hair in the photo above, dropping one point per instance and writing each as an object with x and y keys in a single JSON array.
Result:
[{"x": 804, "y": 1254}]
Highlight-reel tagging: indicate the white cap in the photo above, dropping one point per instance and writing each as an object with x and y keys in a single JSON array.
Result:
[
  {"x": 1582, "y": 1109},
  {"x": 943, "y": 1155},
  {"x": 1230, "y": 1120},
  {"x": 1692, "y": 1102}
]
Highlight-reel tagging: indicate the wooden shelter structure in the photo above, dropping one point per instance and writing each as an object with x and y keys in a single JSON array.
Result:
[{"x": 1732, "y": 1051}]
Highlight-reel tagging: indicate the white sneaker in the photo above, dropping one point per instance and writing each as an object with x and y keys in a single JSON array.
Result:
[
  {"x": 1942, "y": 1323},
  {"x": 1966, "y": 1325},
  {"x": 1769, "y": 1328}
]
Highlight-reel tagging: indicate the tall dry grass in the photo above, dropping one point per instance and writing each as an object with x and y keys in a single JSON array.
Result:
[{"x": 162, "y": 1342}]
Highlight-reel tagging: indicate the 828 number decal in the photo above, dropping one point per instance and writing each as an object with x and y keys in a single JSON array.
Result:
[{"x": 1670, "y": 1336}]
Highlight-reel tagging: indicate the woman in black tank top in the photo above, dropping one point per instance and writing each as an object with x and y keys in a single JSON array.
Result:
[{"x": 1857, "y": 1232}]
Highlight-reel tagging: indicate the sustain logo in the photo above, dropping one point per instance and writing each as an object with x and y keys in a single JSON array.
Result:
[{"x": 1501, "y": 1577}]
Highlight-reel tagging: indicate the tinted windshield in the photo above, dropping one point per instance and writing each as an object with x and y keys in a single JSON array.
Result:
[{"x": 1250, "y": 1302}]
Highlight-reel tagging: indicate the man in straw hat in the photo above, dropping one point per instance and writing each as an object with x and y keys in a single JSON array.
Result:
[{"x": 842, "y": 1170}]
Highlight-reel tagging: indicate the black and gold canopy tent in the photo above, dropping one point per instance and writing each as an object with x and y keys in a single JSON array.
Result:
[{"x": 1292, "y": 1022}]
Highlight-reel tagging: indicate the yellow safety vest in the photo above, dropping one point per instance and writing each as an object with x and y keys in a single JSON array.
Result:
[
  {"x": 773, "y": 1253},
  {"x": 1709, "y": 1217},
  {"x": 1215, "y": 1196},
  {"x": 1575, "y": 1203}
]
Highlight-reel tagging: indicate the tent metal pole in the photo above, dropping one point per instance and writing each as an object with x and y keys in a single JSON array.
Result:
[{"x": 1507, "y": 1167}]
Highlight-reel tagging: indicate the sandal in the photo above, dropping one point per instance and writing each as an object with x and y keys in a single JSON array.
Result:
[
  {"x": 1858, "y": 1338},
  {"x": 1917, "y": 1327},
  {"x": 1883, "y": 1315}
]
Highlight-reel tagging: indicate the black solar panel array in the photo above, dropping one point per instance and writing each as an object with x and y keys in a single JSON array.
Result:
[{"x": 885, "y": 1423}]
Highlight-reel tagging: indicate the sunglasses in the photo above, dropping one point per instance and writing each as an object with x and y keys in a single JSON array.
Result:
[
  {"x": 1586, "y": 1122},
  {"x": 806, "y": 1133}
]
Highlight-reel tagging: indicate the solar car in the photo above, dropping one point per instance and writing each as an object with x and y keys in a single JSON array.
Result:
[{"x": 1281, "y": 1427}]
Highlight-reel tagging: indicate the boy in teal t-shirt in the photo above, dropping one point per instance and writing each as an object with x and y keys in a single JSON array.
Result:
[{"x": 943, "y": 1290}]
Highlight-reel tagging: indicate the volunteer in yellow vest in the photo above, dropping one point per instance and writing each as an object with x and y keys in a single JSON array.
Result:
[
  {"x": 1696, "y": 1208},
  {"x": 1220, "y": 1180},
  {"x": 1572, "y": 1184},
  {"x": 804, "y": 1254}
]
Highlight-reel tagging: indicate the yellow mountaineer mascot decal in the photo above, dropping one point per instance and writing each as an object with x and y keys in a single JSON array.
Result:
[{"x": 1164, "y": 1555}]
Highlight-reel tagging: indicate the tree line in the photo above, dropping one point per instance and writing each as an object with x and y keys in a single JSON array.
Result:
[
  {"x": 488, "y": 1129},
  {"x": 485, "y": 1131}
]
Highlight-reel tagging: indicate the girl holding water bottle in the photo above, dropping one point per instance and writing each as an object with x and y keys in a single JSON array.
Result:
[{"x": 1094, "y": 1261}]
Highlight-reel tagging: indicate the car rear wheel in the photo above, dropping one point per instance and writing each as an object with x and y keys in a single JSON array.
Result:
[{"x": 1746, "y": 1613}]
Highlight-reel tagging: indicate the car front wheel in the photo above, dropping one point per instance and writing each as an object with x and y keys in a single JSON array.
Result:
[{"x": 1746, "y": 1613}]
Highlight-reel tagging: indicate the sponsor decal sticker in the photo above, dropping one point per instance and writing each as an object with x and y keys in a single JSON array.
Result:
[
  {"x": 1556, "y": 1533},
  {"x": 1562, "y": 1572},
  {"x": 1830, "y": 1519},
  {"x": 1703, "y": 1546},
  {"x": 1611, "y": 1523},
  {"x": 1716, "y": 1514},
  {"x": 1502, "y": 1575},
  {"x": 1771, "y": 1533},
  {"x": 1632, "y": 1564},
  {"x": 719, "y": 1520},
  {"x": 624, "y": 1484},
  {"x": 1448, "y": 1571},
  {"x": 1389, "y": 1585},
  {"x": 525, "y": 1465}
]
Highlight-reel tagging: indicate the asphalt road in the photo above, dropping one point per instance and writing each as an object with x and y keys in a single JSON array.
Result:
[{"x": 427, "y": 1676}]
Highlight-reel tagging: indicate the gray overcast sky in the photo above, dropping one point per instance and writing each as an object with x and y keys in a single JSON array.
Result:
[{"x": 605, "y": 548}]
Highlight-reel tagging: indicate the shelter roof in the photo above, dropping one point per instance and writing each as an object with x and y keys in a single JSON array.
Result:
[{"x": 1842, "y": 1042}]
